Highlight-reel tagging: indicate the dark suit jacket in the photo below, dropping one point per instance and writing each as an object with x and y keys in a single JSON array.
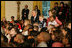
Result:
[
  {"x": 36, "y": 19},
  {"x": 38, "y": 12},
  {"x": 27, "y": 13},
  {"x": 57, "y": 10},
  {"x": 62, "y": 16}
]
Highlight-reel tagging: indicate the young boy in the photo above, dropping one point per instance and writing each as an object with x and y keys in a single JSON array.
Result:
[
  {"x": 42, "y": 23},
  {"x": 12, "y": 18},
  {"x": 26, "y": 22}
]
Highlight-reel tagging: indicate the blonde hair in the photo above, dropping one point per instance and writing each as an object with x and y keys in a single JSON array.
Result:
[
  {"x": 27, "y": 21},
  {"x": 45, "y": 36},
  {"x": 35, "y": 24},
  {"x": 41, "y": 16},
  {"x": 35, "y": 11}
]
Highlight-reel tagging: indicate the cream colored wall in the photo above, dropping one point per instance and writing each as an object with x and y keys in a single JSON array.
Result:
[
  {"x": 65, "y": 1},
  {"x": 30, "y": 7},
  {"x": 11, "y": 9},
  {"x": 2, "y": 9}
]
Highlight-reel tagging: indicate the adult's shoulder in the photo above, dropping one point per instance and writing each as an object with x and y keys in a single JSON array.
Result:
[
  {"x": 38, "y": 10},
  {"x": 27, "y": 9},
  {"x": 23, "y": 9}
]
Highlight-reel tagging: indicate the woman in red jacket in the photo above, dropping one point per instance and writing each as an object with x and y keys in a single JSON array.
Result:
[{"x": 52, "y": 13}]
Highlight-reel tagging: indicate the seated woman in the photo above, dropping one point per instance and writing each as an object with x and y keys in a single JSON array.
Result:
[
  {"x": 52, "y": 21},
  {"x": 51, "y": 13}
]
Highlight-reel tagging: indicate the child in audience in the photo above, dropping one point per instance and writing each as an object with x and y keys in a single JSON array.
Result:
[
  {"x": 52, "y": 21},
  {"x": 35, "y": 24},
  {"x": 43, "y": 37},
  {"x": 65, "y": 41},
  {"x": 26, "y": 22},
  {"x": 12, "y": 20},
  {"x": 3, "y": 23},
  {"x": 42, "y": 23},
  {"x": 19, "y": 40},
  {"x": 13, "y": 32},
  {"x": 22, "y": 24},
  {"x": 25, "y": 31},
  {"x": 35, "y": 28}
]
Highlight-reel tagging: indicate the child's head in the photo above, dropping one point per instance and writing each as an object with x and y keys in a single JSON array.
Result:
[
  {"x": 64, "y": 31},
  {"x": 65, "y": 41},
  {"x": 19, "y": 38},
  {"x": 13, "y": 31},
  {"x": 22, "y": 22},
  {"x": 56, "y": 36},
  {"x": 36, "y": 28},
  {"x": 50, "y": 27},
  {"x": 52, "y": 18},
  {"x": 54, "y": 28},
  {"x": 26, "y": 22},
  {"x": 26, "y": 27},
  {"x": 41, "y": 18},
  {"x": 4, "y": 19},
  {"x": 43, "y": 36},
  {"x": 12, "y": 17},
  {"x": 30, "y": 28},
  {"x": 69, "y": 26},
  {"x": 35, "y": 24}
]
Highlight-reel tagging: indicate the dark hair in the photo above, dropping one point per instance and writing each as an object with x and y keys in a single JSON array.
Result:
[
  {"x": 43, "y": 29},
  {"x": 62, "y": 3},
  {"x": 12, "y": 16},
  {"x": 52, "y": 10},
  {"x": 54, "y": 17},
  {"x": 66, "y": 29},
  {"x": 56, "y": 3},
  {"x": 36, "y": 6},
  {"x": 57, "y": 36}
]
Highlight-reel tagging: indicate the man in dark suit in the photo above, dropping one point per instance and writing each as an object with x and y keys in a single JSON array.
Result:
[
  {"x": 38, "y": 11},
  {"x": 56, "y": 8},
  {"x": 35, "y": 17},
  {"x": 62, "y": 12},
  {"x": 25, "y": 13}
]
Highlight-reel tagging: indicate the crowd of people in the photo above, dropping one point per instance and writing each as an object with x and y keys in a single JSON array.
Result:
[{"x": 55, "y": 31}]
